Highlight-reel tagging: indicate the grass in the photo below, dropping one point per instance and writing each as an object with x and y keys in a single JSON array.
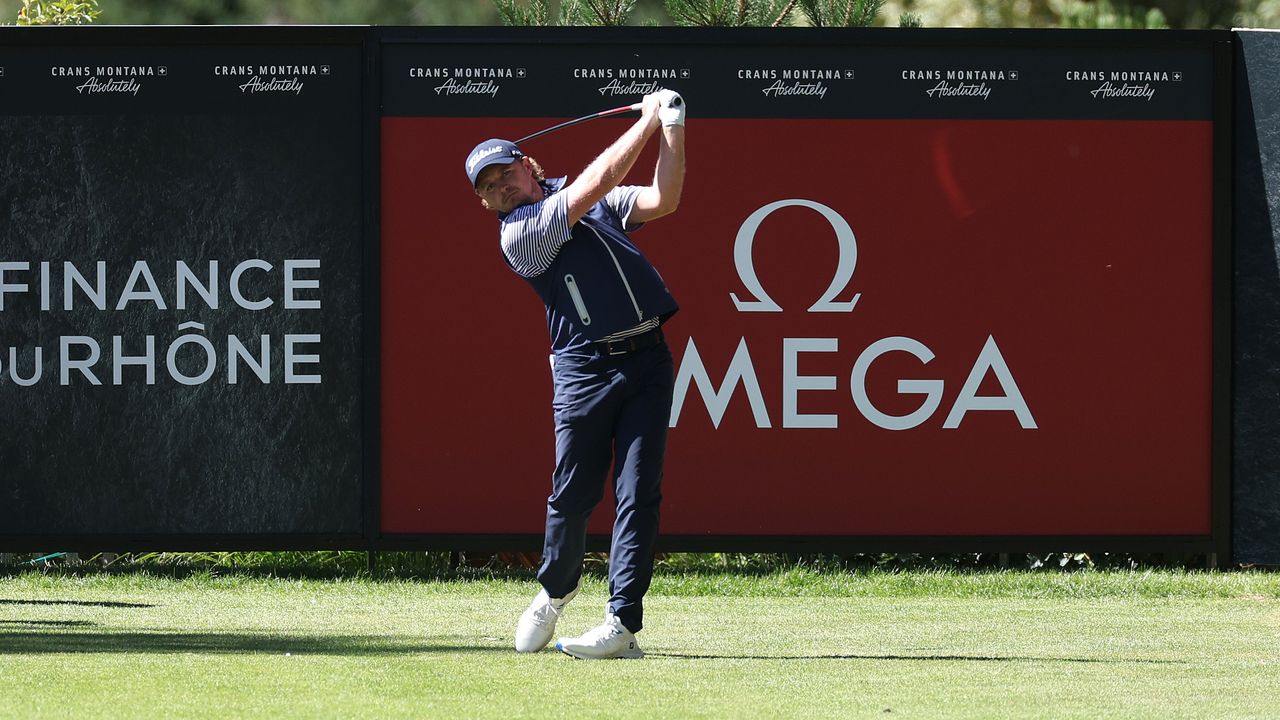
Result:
[{"x": 781, "y": 642}]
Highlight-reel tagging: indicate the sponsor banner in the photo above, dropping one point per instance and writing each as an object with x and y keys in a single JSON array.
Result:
[
  {"x": 925, "y": 292},
  {"x": 906, "y": 327},
  {"x": 1256, "y": 363},
  {"x": 166, "y": 80},
  {"x": 803, "y": 81},
  {"x": 180, "y": 321}
]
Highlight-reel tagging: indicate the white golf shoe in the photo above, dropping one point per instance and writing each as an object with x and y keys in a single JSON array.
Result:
[
  {"x": 610, "y": 640},
  {"x": 538, "y": 623}
]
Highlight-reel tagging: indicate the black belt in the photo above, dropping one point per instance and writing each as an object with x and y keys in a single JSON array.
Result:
[{"x": 631, "y": 344}]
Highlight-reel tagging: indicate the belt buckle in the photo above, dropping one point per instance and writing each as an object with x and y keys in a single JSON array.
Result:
[{"x": 622, "y": 345}]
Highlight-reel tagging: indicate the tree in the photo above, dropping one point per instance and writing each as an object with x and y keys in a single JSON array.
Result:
[
  {"x": 610, "y": 13},
  {"x": 58, "y": 12},
  {"x": 731, "y": 13},
  {"x": 533, "y": 13},
  {"x": 841, "y": 13},
  {"x": 299, "y": 12},
  {"x": 697, "y": 13}
]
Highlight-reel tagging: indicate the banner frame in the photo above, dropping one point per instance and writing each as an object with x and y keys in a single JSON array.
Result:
[{"x": 1219, "y": 42}]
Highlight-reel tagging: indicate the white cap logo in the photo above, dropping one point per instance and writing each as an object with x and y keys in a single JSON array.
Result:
[{"x": 480, "y": 155}]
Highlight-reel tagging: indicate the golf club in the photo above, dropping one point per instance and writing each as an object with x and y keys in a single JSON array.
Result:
[{"x": 584, "y": 118}]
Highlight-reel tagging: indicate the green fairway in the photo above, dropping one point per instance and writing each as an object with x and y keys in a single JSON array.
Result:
[{"x": 787, "y": 644}]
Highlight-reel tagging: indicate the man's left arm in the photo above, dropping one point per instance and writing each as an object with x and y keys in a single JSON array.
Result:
[{"x": 662, "y": 197}]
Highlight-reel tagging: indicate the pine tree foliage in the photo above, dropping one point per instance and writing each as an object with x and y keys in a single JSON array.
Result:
[
  {"x": 910, "y": 20},
  {"x": 609, "y": 13},
  {"x": 298, "y": 12},
  {"x": 731, "y": 13},
  {"x": 842, "y": 13},
  {"x": 533, "y": 13},
  {"x": 1111, "y": 15},
  {"x": 58, "y": 12}
]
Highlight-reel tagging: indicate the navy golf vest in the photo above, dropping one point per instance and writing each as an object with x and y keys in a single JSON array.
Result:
[{"x": 599, "y": 283}]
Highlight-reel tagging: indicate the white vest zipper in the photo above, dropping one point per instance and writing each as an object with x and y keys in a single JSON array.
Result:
[{"x": 616, "y": 264}]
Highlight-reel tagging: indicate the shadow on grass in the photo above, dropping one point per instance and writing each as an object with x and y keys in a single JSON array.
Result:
[
  {"x": 37, "y": 643},
  {"x": 280, "y": 572},
  {"x": 934, "y": 658},
  {"x": 77, "y": 603},
  {"x": 47, "y": 623},
  {"x": 184, "y": 572}
]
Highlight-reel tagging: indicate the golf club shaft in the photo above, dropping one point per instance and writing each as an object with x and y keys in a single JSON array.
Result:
[{"x": 584, "y": 118}]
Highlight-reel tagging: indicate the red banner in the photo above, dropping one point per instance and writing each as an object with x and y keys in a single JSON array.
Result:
[{"x": 900, "y": 327}]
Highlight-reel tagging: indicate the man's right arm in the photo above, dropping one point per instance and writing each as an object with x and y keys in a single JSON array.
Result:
[{"x": 611, "y": 166}]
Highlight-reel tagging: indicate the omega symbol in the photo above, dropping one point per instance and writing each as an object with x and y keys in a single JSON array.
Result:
[{"x": 747, "y": 271}]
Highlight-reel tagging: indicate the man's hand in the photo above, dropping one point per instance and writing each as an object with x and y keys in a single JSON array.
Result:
[
  {"x": 671, "y": 108},
  {"x": 651, "y": 104}
]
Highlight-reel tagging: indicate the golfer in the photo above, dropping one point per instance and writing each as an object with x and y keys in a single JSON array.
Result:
[{"x": 610, "y": 366}]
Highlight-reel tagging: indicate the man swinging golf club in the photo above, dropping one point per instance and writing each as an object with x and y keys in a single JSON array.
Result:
[{"x": 611, "y": 369}]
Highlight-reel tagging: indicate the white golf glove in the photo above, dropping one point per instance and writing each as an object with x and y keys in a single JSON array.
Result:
[{"x": 670, "y": 108}]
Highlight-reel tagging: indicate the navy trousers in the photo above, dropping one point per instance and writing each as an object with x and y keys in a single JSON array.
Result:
[{"x": 610, "y": 411}]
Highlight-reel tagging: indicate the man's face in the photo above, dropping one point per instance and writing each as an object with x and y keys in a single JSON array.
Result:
[{"x": 507, "y": 187}]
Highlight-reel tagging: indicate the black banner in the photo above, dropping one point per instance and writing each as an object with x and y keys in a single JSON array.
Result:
[
  {"x": 817, "y": 77},
  {"x": 180, "y": 285},
  {"x": 176, "y": 81}
]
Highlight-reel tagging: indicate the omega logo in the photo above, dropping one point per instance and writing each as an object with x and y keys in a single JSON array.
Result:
[
  {"x": 747, "y": 271},
  {"x": 693, "y": 374}
]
